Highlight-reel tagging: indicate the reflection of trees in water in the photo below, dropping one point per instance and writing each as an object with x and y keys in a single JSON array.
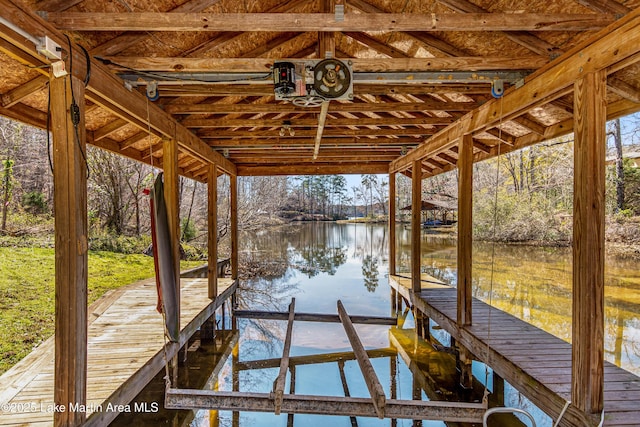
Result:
[
  {"x": 266, "y": 285},
  {"x": 370, "y": 240},
  {"x": 370, "y": 272},
  {"x": 318, "y": 248}
]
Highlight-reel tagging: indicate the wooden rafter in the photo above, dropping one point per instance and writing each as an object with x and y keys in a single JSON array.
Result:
[
  {"x": 523, "y": 38},
  {"x": 605, "y": 6},
  {"x": 430, "y": 41},
  {"x": 304, "y": 122},
  {"x": 376, "y": 45},
  {"x": 335, "y": 132},
  {"x": 549, "y": 83},
  {"x": 148, "y": 21},
  {"x": 107, "y": 91},
  {"x": 335, "y": 107}
]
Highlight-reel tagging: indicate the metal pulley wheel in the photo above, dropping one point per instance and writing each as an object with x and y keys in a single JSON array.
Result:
[
  {"x": 307, "y": 101},
  {"x": 331, "y": 78}
]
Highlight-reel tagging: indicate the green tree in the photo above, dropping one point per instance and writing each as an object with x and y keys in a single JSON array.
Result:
[{"x": 369, "y": 182}]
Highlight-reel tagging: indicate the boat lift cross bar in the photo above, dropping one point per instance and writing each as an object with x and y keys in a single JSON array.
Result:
[{"x": 278, "y": 402}]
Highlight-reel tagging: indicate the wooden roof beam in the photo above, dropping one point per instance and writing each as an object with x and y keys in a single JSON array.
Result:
[
  {"x": 615, "y": 44},
  {"x": 502, "y": 136},
  {"x": 523, "y": 38},
  {"x": 23, "y": 91},
  {"x": 123, "y": 41},
  {"x": 605, "y": 6},
  {"x": 376, "y": 45},
  {"x": 327, "y": 39},
  {"x": 218, "y": 108},
  {"x": 527, "y": 121},
  {"x": 623, "y": 89},
  {"x": 428, "y": 40},
  {"x": 305, "y": 133},
  {"x": 292, "y": 143},
  {"x": 313, "y": 121},
  {"x": 280, "y": 22},
  {"x": 107, "y": 90},
  {"x": 447, "y": 158},
  {"x": 314, "y": 169},
  {"x": 109, "y": 128},
  {"x": 268, "y": 46}
]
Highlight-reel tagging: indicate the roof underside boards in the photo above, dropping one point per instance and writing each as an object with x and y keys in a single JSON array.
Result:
[{"x": 421, "y": 75}]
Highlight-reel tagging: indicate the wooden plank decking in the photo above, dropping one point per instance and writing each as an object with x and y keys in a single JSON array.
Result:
[
  {"x": 124, "y": 353},
  {"x": 535, "y": 362}
]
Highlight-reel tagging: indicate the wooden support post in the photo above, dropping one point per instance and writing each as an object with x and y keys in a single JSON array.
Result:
[
  {"x": 278, "y": 384},
  {"x": 235, "y": 381},
  {"x": 212, "y": 234},
  {"x": 233, "y": 190},
  {"x": 70, "y": 204},
  {"x": 394, "y": 303},
  {"x": 371, "y": 379},
  {"x": 416, "y": 394},
  {"x": 464, "y": 361},
  {"x": 416, "y": 225},
  {"x": 392, "y": 223},
  {"x": 327, "y": 40},
  {"x": 170, "y": 166},
  {"x": 587, "y": 391},
  {"x": 465, "y": 228}
]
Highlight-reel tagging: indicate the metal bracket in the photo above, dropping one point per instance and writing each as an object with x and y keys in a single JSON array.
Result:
[
  {"x": 152, "y": 91},
  {"x": 497, "y": 88}
]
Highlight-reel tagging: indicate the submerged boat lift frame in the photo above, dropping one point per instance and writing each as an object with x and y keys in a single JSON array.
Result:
[{"x": 375, "y": 406}]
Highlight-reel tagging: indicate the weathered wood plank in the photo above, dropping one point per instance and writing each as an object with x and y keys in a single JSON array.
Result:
[
  {"x": 313, "y": 317},
  {"x": 110, "y": 359},
  {"x": 301, "y": 404},
  {"x": 376, "y": 391},
  {"x": 278, "y": 385},
  {"x": 280, "y": 22},
  {"x": 532, "y": 360},
  {"x": 312, "y": 359}
]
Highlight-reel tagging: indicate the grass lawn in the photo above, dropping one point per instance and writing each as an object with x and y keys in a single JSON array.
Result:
[{"x": 27, "y": 300}]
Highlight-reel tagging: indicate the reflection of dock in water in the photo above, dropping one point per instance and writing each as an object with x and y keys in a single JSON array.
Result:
[
  {"x": 435, "y": 372},
  {"x": 535, "y": 362}
]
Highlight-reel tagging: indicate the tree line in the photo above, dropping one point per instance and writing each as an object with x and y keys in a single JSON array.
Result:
[{"x": 522, "y": 195}]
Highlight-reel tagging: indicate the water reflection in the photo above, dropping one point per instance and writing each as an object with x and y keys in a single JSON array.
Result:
[
  {"x": 534, "y": 284},
  {"x": 321, "y": 263}
]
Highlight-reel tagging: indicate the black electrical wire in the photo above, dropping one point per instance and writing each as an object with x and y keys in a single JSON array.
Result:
[
  {"x": 49, "y": 128},
  {"x": 159, "y": 76},
  {"x": 87, "y": 58},
  {"x": 74, "y": 108}
]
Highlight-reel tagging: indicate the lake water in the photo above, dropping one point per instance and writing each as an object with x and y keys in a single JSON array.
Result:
[{"x": 318, "y": 264}]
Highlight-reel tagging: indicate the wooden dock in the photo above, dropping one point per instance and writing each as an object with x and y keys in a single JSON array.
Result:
[
  {"x": 125, "y": 351},
  {"x": 533, "y": 361}
]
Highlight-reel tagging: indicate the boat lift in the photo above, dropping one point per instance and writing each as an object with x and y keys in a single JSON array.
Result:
[{"x": 377, "y": 405}]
